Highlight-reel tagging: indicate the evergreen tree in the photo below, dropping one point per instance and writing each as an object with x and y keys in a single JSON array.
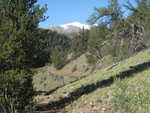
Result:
[
  {"x": 79, "y": 42},
  {"x": 108, "y": 15},
  {"x": 18, "y": 23},
  {"x": 96, "y": 42},
  {"x": 124, "y": 36},
  {"x": 19, "y": 20}
]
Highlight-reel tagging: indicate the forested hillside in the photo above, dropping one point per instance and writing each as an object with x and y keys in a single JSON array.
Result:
[{"x": 35, "y": 62}]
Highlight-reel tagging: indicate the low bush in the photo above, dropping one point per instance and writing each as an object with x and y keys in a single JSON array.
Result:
[{"x": 16, "y": 90}]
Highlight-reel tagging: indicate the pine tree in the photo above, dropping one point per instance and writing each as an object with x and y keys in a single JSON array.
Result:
[
  {"x": 79, "y": 42},
  {"x": 96, "y": 42},
  {"x": 19, "y": 20},
  {"x": 18, "y": 25},
  {"x": 109, "y": 15}
]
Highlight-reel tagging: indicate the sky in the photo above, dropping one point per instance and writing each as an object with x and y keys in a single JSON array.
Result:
[{"x": 68, "y": 11}]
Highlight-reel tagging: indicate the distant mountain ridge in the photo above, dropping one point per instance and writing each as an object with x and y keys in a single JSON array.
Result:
[{"x": 70, "y": 28}]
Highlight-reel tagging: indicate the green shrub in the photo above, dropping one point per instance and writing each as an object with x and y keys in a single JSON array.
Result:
[
  {"x": 16, "y": 88},
  {"x": 91, "y": 59},
  {"x": 7, "y": 105},
  {"x": 59, "y": 58},
  {"x": 74, "y": 68}
]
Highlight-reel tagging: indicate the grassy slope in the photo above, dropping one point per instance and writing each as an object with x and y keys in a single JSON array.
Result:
[
  {"x": 130, "y": 95},
  {"x": 48, "y": 78},
  {"x": 102, "y": 99}
]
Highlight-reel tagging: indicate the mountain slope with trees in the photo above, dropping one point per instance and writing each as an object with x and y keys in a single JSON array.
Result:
[
  {"x": 110, "y": 88},
  {"x": 116, "y": 38},
  {"x": 114, "y": 43}
]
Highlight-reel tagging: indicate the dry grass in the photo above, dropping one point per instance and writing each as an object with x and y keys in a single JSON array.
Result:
[{"x": 48, "y": 78}]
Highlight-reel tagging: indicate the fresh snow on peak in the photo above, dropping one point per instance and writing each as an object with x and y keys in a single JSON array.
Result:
[
  {"x": 70, "y": 28},
  {"x": 76, "y": 24}
]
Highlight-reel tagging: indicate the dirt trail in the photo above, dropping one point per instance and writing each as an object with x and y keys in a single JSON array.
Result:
[{"x": 45, "y": 103}]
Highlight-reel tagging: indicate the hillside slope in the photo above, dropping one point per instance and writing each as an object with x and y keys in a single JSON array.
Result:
[
  {"x": 120, "y": 89},
  {"x": 48, "y": 78}
]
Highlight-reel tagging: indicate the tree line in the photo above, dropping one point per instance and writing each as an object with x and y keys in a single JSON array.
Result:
[{"x": 116, "y": 35}]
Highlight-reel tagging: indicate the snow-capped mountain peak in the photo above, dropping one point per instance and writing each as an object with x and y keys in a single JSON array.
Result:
[
  {"x": 69, "y": 28},
  {"x": 76, "y": 24}
]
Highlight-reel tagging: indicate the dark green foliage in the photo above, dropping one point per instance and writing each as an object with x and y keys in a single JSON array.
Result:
[
  {"x": 49, "y": 48},
  {"x": 109, "y": 14},
  {"x": 19, "y": 20},
  {"x": 7, "y": 105},
  {"x": 18, "y": 50},
  {"x": 59, "y": 57},
  {"x": 79, "y": 42},
  {"x": 96, "y": 42},
  {"x": 58, "y": 46},
  {"x": 45, "y": 43},
  {"x": 16, "y": 88},
  {"x": 104, "y": 40},
  {"x": 39, "y": 55},
  {"x": 40, "y": 50},
  {"x": 91, "y": 59}
]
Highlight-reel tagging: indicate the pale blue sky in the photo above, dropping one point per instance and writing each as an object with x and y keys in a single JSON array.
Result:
[{"x": 67, "y": 11}]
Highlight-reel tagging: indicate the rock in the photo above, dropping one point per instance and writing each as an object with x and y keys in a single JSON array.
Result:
[{"x": 103, "y": 109}]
